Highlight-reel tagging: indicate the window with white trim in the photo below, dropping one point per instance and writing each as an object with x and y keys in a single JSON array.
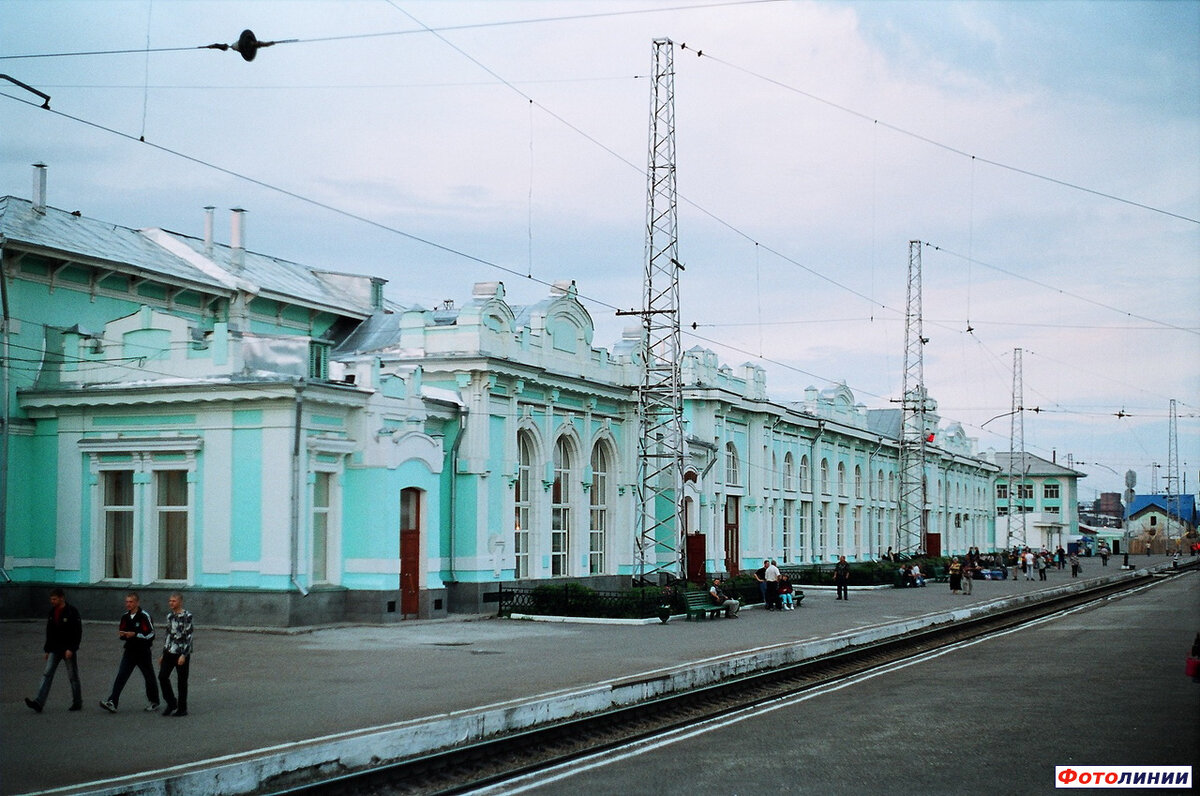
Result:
[
  {"x": 523, "y": 490},
  {"x": 560, "y": 510},
  {"x": 143, "y": 501},
  {"x": 599, "y": 510}
]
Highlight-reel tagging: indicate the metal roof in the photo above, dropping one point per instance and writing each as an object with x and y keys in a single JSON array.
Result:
[{"x": 172, "y": 256}]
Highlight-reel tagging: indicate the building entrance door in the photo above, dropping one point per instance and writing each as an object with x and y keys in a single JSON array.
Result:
[
  {"x": 733, "y": 543},
  {"x": 410, "y": 551}
]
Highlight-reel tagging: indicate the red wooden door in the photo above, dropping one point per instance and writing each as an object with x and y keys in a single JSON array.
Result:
[{"x": 410, "y": 551}]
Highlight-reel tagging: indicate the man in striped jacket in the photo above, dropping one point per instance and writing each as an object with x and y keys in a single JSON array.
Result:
[{"x": 176, "y": 655}]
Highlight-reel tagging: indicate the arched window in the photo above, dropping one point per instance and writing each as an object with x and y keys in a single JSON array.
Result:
[
  {"x": 732, "y": 466},
  {"x": 824, "y": 476},
  {"x": 523, "y": 492},
  {"x": 560, "y": 510},
  {"x": 857, "y": 481},
  {"x": 789, "y": 471},
  {"x": 804, "y": 475},
  {"x": 599, "y": 499}
]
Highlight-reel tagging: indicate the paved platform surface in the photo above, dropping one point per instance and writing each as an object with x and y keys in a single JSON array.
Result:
[{"x": 259, "y": 695}]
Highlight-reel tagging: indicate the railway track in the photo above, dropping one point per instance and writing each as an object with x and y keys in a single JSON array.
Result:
[{"x": 497, "y": 759}]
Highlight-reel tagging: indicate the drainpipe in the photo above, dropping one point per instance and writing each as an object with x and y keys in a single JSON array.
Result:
[
  {"x": 462, "y": 432},
  {"x": 296, "y": 489},
  {"x": 4, "y": 374}
]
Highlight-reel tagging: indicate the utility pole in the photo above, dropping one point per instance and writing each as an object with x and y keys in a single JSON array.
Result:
[
  {"x": 911, "y": 531},
  {"x": 1017, "y": 464},
  {"x": 660, "y": 540},
  {"x": 1172, "y": 471}
]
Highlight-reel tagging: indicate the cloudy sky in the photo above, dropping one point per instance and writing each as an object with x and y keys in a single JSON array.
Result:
[{"x": 1046, "y": 153}]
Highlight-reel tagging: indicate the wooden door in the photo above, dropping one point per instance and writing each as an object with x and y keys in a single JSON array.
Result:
[
  {"x": 410, "y": 551},
  {"x": 733, "y": 544}
]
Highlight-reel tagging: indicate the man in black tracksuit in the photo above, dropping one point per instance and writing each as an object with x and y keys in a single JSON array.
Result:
[{"x": 138, "y": 632}]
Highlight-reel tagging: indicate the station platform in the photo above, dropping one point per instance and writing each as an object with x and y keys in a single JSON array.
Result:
[{"x": 265, "y": 703}]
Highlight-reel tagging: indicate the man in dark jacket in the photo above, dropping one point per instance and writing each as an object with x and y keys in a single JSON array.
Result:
[
  {"x": 138, "y": 632},
  {"x": 63, "y": 633}
]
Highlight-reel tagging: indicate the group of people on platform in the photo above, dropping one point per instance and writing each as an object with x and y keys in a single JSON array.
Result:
[{"x": 64, "y": 635}]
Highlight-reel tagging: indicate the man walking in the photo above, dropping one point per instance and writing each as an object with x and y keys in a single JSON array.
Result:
[
  {"x": 64, "y": 630},
  {"x": 137, "y": 631},
  {"x": 176, "y": 655}
]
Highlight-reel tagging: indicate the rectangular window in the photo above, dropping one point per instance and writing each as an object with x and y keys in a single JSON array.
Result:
[
  {"x": 1050, "y": 491},
  {"x": 172, "y": 505},
  {"x": 320, "y": 527},
  {"x": 802, "y": 544},
  {"x": 118, "y": 524},
  {"x": 1024, "y": 491},
  {"x": 318, "y": 361},
  {"x": 599, "y": 514},
  {"x": 1001, "y": 491},
  {"x": 521, "y": 514},
  {"x": 560, "y": 522},
  {"x": 789, "y": 508}
]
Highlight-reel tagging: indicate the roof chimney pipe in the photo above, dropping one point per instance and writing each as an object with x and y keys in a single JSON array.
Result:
[
  {"x": 208, "y": 231},
  {"x": 39, "y": 188},
  {"x": 237, "y": 246}
]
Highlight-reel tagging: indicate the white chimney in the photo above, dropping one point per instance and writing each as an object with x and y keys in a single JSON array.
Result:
[
  {"x": 208, "y": 231},
  {"x": 39, "y": 188},
  {"x": 237, "y": 246}
]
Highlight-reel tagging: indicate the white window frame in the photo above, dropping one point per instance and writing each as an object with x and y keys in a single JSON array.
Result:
[{"x": 144, "y": 457}]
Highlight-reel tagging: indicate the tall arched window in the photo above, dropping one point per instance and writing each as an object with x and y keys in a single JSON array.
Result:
[
  {"x": 560, "y": 510},
  {"x": 824, "y": 476},
  {"x": 789, "y": 471},
  {"x": 732, "y": 466},
  {"x": 858, "y": 481},
  {"x": 599, "y": 510},
  {"x": 804, "y": 475},
  {"x": 523, "y": 491},
  {"x": 842, "y": 479}
]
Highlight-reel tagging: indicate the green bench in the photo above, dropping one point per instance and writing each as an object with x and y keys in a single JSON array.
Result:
[{"x": 700, "y": 605}]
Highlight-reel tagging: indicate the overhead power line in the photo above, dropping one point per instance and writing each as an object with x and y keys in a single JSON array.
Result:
[
  {"x": 407, "y": 32},
  {"x": 935, "y": 143}
]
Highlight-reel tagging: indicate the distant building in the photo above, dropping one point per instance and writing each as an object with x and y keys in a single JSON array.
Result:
[
  {"x": 1039, "y": 506},
  {"x": 1162, "y": 526}
]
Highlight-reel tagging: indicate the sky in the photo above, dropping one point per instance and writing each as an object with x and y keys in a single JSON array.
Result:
[{"x": 1045, "y": 154}]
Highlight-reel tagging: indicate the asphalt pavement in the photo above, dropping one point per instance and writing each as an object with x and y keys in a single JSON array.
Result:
[{"x": 264, "y": 702}]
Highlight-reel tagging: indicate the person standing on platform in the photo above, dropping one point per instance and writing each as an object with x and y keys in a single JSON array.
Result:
[
  {"x": 955, "y": 575},
  {"x": 176, "y": 655},
  {"x": 1027, "y": 560},
  {"x": 771, "y": 576},
  {"x": 64, "y": 631},
  {"x": 137, "y": 630},
  {"x": 760, "y": 575},
  {"x": 969, "y": 571},
  {"x": 1074, "y": 560},
  {"x": 1060, "y": 557},
  {"x": 1104, "y": 553},
  {"x": 1041, "y": 566},
  {"x": 841, "y": 578}
]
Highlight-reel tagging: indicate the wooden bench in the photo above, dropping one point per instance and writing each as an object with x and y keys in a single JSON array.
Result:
[{"x": 700, "y": 605}]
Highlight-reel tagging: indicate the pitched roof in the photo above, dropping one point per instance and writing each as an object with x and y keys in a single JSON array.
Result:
[
  {"x": 1030, "y": 464},
  {"x": 1187, "y": 505},
  {"x": 175, "y": 257}
]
